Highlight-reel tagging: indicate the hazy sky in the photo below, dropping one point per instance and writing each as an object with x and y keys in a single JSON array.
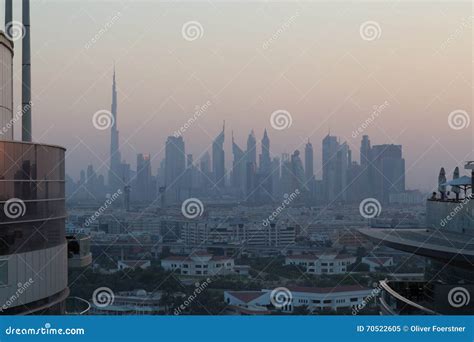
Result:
[{"x": 308, "y": 58}]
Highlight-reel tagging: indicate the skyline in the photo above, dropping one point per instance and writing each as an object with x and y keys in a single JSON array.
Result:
[
  {"x": 193, "y": 72},
  {"x": 236, "y": 231}
]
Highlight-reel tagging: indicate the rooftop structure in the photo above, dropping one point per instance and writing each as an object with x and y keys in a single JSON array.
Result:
[{"x": 448, "y": 243}]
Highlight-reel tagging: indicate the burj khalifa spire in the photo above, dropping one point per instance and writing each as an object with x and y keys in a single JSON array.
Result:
[{"x": 115, "y": 181}]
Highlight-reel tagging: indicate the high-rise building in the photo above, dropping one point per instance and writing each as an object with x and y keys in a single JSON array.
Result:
[
  {"x": 33, "y": 245},
  {"x": 218, "y": 159},
  {"x": 250, "y": 182},
  {"x": 251, "y": 152},
  {"x": 115, "y": 176},
  {"x": 190, "y": 175},
  {"x": 143, "y": 188},
  {"x": 275, "y": 176},
  {"x": 297, "y": 172},
  {"x": 388, "y": 176},
  {"x": 175, "y": 166},
  {"x": 365, "y": 151},
  {"x": 264, "y": 183},
  {"x": 6, "y": 108},
  {"x": 365, "y": 171},
  {"x": 286, "y": 179},
  {"x": 205, "y": 174},
  {"x": 238, "y": 168},
  {"x": 335, "y": 165},
  {"x": 265, "y": 159},
  {"x": 309, "y": 162}
]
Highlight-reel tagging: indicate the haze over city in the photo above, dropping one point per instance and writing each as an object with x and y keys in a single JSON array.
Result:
[{"x": 252, "y": 59}]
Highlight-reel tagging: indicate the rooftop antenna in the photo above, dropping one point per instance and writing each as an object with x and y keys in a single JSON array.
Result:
[{"x": 26, "y": 75}]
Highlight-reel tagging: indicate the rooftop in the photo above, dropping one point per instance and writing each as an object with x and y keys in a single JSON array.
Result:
[{"x": 438, "y": 244}]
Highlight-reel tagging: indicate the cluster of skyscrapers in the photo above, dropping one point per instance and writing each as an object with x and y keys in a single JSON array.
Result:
[{"x": 255, "y": 175}]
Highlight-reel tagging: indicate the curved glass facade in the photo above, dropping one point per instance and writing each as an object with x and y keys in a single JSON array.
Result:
[
  {"x": 33, "y": 175},
  {"x": 6, "y": 84}
]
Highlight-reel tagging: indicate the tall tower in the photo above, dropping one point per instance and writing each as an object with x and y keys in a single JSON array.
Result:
[
  {"x": 143, "y": 181},
  {"x": 309, "y": 161},
  {"x": 115, "y": 180},
  {"x": 265, "y": 160},
  {"x": 175, "y": 166},
  {"x": 252, "y": 148},
  {"x": 238, "y": 167},
  {"x": 218, "y": 159},
  {"x": 365, "y": 151},
  {"x": 335, "y": 166}
]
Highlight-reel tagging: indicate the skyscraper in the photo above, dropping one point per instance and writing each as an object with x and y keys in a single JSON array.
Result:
[
  {"x": 218, "y": 159},
  {"x": 33, "y": 245},
  {"x": 388, "y": 176},
  {"x": 366, "y": 168},
  {"x": 175, "y": 166},
  {"x": 297, "y": 171},
  {"x": 238, "y": 168},
  {"x": 115, "y": 177},
  {"x": 335, "y": 165},
  {"x": 365, "y": 151},
  {"x": 309, "y": 162},
  {"x": 252, "y": 149},
  {"x": 265, "y": 159},
  {"x": 286, "y": 179},
  {"x": 143, "y": 182},
  {"x": 264, "y": 183}
]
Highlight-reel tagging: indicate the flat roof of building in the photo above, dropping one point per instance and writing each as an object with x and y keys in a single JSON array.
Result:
[{"x": 456, "y": 248}]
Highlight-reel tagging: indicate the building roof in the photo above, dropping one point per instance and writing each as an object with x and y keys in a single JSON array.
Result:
[
  {"x": 378, "y": 260},
  {"x": 135, "y": 263},
  {"x": 250, "y": 310},
  {"x": 337, "y": 289},
  {"x": 447, "y": 246},
  {"x": 189, "y": 258},
  {"x": 246, "y": 296},
  {"x": 320, "y": 256}
]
